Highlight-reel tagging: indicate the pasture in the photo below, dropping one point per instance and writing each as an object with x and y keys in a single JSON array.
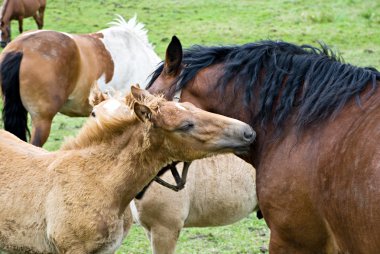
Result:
[{"x": 351, "y": 27}]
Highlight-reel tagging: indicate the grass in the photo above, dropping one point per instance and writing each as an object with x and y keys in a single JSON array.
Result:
[{"x": 351, "y": 27}]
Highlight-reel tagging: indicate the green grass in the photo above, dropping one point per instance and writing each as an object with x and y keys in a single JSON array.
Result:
[{"x": 349, "y": 26}]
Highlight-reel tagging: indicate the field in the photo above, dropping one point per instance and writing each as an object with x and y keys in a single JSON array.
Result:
[{"x": 350, "y": 27}]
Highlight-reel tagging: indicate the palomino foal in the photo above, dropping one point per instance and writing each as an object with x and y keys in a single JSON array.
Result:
[
  {"x": 74, "y": 200},
  {"x": 219, "y": 190},
  {"x": 18, "y": 10}
]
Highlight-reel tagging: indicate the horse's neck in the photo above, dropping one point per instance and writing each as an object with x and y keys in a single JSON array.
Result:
[{"x": 5, "y": 11}]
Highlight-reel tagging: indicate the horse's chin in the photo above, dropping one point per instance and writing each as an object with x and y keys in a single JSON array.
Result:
[{"x": 241, "y": 150}]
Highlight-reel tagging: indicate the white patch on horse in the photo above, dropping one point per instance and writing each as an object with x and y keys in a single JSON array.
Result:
[
  {"x": 112, "y": 105},
  {"x": 102, "y": 83},
  {"x": 135, "y": 213},
  {"x": 126, "y": 38},
  {"x": 180, "y": 107}
]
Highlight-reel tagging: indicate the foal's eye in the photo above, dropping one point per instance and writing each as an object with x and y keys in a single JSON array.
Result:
[
  {"x": 186, "y": 127},
  {"x": 93, "y": 114}
]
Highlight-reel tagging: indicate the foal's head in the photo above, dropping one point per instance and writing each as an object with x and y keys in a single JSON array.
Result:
[
  {"x": 183, "y": 131},
  {"x": 189, "y": 133}
]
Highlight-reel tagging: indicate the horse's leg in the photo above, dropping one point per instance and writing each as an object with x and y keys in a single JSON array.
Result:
[
  {"x": 40, "y": 130},
  {"x": 163, "y": 239},
  {"x": 20, "y": 20},
  {"x": 40, "y": 17}
]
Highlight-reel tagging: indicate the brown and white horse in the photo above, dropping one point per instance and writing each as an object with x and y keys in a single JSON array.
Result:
[
  {"x": 18, "y": 10},
  {"x": 73, "y": 200},
  {"x": 46, "y": 72},
  {"x": 219, "y": 190}
]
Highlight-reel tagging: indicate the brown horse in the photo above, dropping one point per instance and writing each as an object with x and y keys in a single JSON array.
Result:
[
  {"x": 18, "y": 10},
  {"x": 73, "y": 200},
  {"x": 46, "y": 72},
  {"x": 317, "y": 154}
]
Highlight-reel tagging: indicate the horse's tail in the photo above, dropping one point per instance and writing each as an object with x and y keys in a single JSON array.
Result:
[{"x": 15, "y": 116}]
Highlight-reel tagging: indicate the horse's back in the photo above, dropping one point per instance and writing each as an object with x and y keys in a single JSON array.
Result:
[
  {"x": 49, "y": 69},
  {"x": 26, "y": 8}
]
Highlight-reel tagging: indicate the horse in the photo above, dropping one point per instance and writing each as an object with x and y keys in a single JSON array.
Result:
[
  {"x": 318, "y": 125},
  {"x": 219, "y": 190},
  {"x": 74, "y": 200},
  {"x": 18, "y": 10},
  {"x": 46, "y": 72}
]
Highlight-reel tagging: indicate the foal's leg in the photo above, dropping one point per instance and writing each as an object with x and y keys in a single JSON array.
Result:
[{"x": 163, "y": 239}]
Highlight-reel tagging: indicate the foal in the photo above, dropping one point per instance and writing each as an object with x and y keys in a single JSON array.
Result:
[
  {"x": 18, "y": 10},
  {"x": 73, "y": 200}
]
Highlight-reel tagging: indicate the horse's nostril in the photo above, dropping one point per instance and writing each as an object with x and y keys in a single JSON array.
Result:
[{"x": 249, "y": 135}]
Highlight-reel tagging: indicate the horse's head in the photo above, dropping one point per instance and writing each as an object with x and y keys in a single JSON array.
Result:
[
  {"x": 5, "y": 33},
  {"x": 166, "y": 75},
  {"x": 187, "y": 132}
]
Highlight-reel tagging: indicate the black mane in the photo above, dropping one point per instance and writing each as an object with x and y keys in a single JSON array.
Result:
[{"x": 315, "y": 80}]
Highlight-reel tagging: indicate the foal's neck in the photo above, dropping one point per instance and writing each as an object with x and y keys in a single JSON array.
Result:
[{"x": 137, "y": 156}]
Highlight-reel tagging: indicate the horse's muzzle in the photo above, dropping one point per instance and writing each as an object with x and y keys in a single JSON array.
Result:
[{"x": 3, "y": 44}]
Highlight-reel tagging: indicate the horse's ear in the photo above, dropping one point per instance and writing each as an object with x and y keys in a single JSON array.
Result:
[
  {"x": 173, "y": 58},
  {"x": 97, "y": 97},
  {"x": 139, "y": 94},
  {"x": 143, "y": 112}
]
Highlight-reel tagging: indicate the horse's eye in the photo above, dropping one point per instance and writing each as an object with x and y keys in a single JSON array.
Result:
[
  {"x": 186, "y": 127},
  {"x": 93, "y": 114}
]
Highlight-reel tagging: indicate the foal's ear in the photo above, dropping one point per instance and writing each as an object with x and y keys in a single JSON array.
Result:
[
  {"x": 173, "y": 58},
  {"x": 97, "y": 97},
  {"x": 142, "y": 112},
  {"x": 139, "y": 94}
]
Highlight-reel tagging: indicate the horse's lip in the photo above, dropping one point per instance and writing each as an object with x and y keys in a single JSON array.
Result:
[{"x": 240, "y": 150}]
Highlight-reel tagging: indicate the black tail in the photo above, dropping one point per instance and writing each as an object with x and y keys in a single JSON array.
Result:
[{"x": 15, "y": 116}]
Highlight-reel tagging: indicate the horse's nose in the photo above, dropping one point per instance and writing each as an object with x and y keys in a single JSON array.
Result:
[
  {"x": 3, "y": 44},
  {"x": 249, "y": 134}
]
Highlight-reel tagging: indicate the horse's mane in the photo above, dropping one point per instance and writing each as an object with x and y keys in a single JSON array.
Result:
[
  {"x": 132, "y": 26},
  {"x": 104, "y": 126},
  {"x": 315, "y": 80}
]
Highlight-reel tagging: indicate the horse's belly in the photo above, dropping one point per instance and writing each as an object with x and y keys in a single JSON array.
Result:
[
  {"x": 223, "y": 191},
  {"x": 24, "y": 239}
]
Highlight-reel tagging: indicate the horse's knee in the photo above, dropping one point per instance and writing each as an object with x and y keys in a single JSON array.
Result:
[{"x": 164, "y": 240}]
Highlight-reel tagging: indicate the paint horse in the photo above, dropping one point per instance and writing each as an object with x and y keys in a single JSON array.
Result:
[
  {"x": 46, "y": 72},
  {"x": 219, "y": 190},
  {"x": 73, "y": 200},
  {"x": 317, "y": 151},
  {"x": 18, "y": 10}
]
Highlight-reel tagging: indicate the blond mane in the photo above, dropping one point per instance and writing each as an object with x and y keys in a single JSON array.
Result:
[{"x": 104, "y": 126}]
